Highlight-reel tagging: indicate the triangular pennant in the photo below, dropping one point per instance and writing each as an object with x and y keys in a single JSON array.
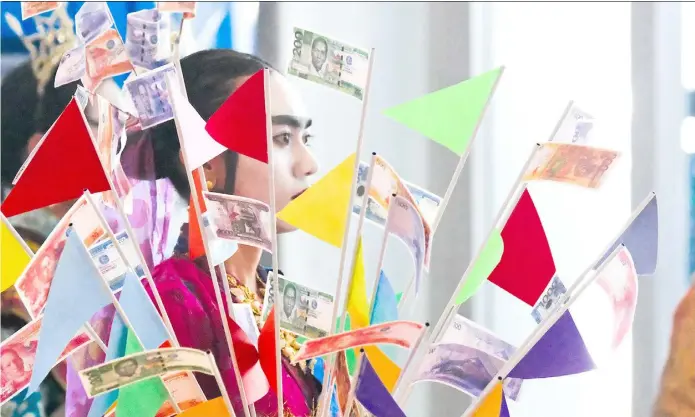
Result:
[
  {"x": 491, "y": 404},
  {"x": 196, "y": 248},
  {"x": 15, "y": 255},
  {"x": 116, "y": 349},
  {"x": 142, "y": 313},
  {"x": 527, "y": 264},
  {"x": 240, "y": 123},
  {"x": 483, "y": 266},
  {"x": 560, "y": 351},
  {"x": 322, "y": 210},
  {"x": 387, "y": 369},
  {"x": 451, "y": 115},
  {"x": 373, "y": 395},
  {"x": 65, "y": 164},
  {"x": 641, "y": 238},
  {"x": 385, "y": 303},
  {"x": 209, "y": 408},
  {"x": 357, "y": 304}
]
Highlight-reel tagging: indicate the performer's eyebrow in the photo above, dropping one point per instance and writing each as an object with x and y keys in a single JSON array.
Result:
[{"x": 292, "y": 121}]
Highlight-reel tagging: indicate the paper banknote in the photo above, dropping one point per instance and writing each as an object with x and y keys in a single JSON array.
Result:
[
  {"x": 549, "y": 300},
  {"x": 405, "y": 222},
  {"x": 243, "y": 220},
  {"x": 33, "y": 8},
  {"x": 618, "y": 280},
  {"x": 400, "y": 333},
  {"x": 467, "y": 333},
  {"x": 575, "y": 164},
  {"x": 303, "y": 310},
  {"x": 329, "y": 62},
  {"x": 575, "y": 127},
  {"x": 140, "y": 366},
  {"x": 111, "y": 140},
  {"x": 82, "y": 95},
  {"x": 106, "y": 57},
  {"x": 185, "y": 390},
  {"x": 110, "y": 264},
  {"x": 17, "y": 354},
  {"x": 185, "y": 7},
  {"x": 72, "y": 66},
  {"x": 93, "y": 19},
  {"x": 458, "y": 366},
  {"x": 148, "y": 38},
  {"x": 385, "y": 183},
  {"x": 150, "y": 97},
  {"x": 32, "y": 287}
]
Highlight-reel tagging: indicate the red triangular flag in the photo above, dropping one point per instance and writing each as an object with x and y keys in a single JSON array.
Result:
[
  {"x": 240, "y": 123},
  {"x": 195, "y": 239},
  {"x": 527, "y": 264},
  {"x": 63, "y": 166},
  {"x": 266, "y": 350}
]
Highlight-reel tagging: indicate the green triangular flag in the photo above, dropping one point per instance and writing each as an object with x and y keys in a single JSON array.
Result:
[
  {"x": 144, "y": 398},
  {"x": 449, "y": 116},
  {"x": 483, "y": 265}
]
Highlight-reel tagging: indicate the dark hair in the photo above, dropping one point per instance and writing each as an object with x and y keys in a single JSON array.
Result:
[
  {"x": 211, "y": 77},
  {"x": 25, "y": 112}
]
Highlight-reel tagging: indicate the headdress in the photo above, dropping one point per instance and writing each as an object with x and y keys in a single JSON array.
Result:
[{"x": 54, "y": 36}]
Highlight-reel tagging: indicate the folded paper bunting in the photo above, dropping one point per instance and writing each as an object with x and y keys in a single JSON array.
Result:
[
  {"x": 504, "y": 409},
  {"x": 240, "y": 123},
  {"x": 373, "y": 395},
  {"x": 560, "y": 351},
  {"x": 196, "y": 248},
  {"x": 641, "y": 238},
  {"x": 142, "y": 314},
  {"x": 483, "y": 266},
  {"x": 64, "y": 165},
  {"x": 322, "y": 210},
  {"x": 492, "y": 404},
  {"x": 385, "y": 303},
  {"x": 357, "y": 304},
  {"x": 76, "y": 294},
  {"x": 209, "y": 408},
  {"x": 15, "y": 256},
  {"x": 199, "y": 146},
  {"x": 451, "y": 115},
  {"x": 527, "y": 265},
  {"x": 116, "y": 349}
]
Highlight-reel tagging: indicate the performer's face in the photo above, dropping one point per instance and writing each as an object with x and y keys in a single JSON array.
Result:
[{"x": 292, "y": 162}]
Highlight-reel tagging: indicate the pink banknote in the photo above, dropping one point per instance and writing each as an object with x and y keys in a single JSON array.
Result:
[
  {"x": 402, "y": 333},
  {"x": 619, "y": 281},
  {"x": 17, "y": 357}
]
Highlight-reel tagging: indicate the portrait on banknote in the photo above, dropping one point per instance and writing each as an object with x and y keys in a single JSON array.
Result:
[{"x": 289, "y": 301}]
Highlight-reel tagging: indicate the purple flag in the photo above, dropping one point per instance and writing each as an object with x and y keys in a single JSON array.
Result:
[
  {"x": 373, "y": 395},
  {"x": 641, "y": 238},
  {"x": 560, "y": 351},
  {"x": 504, "y": 410}
]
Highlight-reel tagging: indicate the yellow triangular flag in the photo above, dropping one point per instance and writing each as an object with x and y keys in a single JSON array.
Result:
[
  {"x": 387, "y": 370},
  {"x": 13, "y": 256},
  {"x": 357, "y": 304},
  {"x": 209, "y": 408},
  {"x": 492, "y": 404},
  {"x": 322, "y": 210}
]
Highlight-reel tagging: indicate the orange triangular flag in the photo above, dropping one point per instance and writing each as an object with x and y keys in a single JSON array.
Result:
[
  {"x": 209, "y": 408},
  {"x": 492, "y": 404},
  {"x": 195, "y": 239}
]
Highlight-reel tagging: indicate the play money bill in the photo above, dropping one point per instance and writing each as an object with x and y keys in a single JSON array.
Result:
[
  {"x": 112, "y": 268},
  {"x": 243, "y": 220},
  {"x": 93, "y": 19},
  {"x": 580, "y": 165},
  {"x": 461, "y": 367},
  {"x": 400, "y": 333},
  {"x": 329, "y": 62},
  {"x": 549, "y": 300},
  {"x": 405, "y": 222},
  {"x": 467, "y": 333},
  {"x": 140, "y": 366},
  {"x": 106, "y": 57},
  {"x": 148, "y": 38},
  {"x": 150, "y": 97},
  {"x": 185, "y": 7},
  {"x": 18, "y": 352},
  {"x": 72, "y": 66},
  {"x": 575, "y": 127},
  {"x": 33, "y": 8},
  {"x": 303, "y": 310}
]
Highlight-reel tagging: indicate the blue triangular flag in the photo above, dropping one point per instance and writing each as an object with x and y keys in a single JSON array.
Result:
[
  {"x": 143, "y": 316},
  {"x": 641, "y": 238},
  {"x": 385, "y": 303},
  {"x": 76, "y": 293},
  {"x": 115, "y": 349}
]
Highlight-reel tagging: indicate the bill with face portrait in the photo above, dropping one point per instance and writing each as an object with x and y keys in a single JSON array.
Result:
[
  {"x": 240, "y": 219},
  {"x": 17, "y": 354},
  {"x": 303, "y": 310}
]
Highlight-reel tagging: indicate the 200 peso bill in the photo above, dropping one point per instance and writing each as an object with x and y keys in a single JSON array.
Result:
[
  {"x": 303, "y": 310},
  {"x": 329, "y": 62}
]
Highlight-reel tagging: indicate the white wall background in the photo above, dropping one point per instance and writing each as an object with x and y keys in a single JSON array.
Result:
[{"x": 595, "y": 54}]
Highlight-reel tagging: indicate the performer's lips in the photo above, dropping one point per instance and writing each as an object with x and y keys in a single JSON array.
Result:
[{"x": 298, "y": 194}]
